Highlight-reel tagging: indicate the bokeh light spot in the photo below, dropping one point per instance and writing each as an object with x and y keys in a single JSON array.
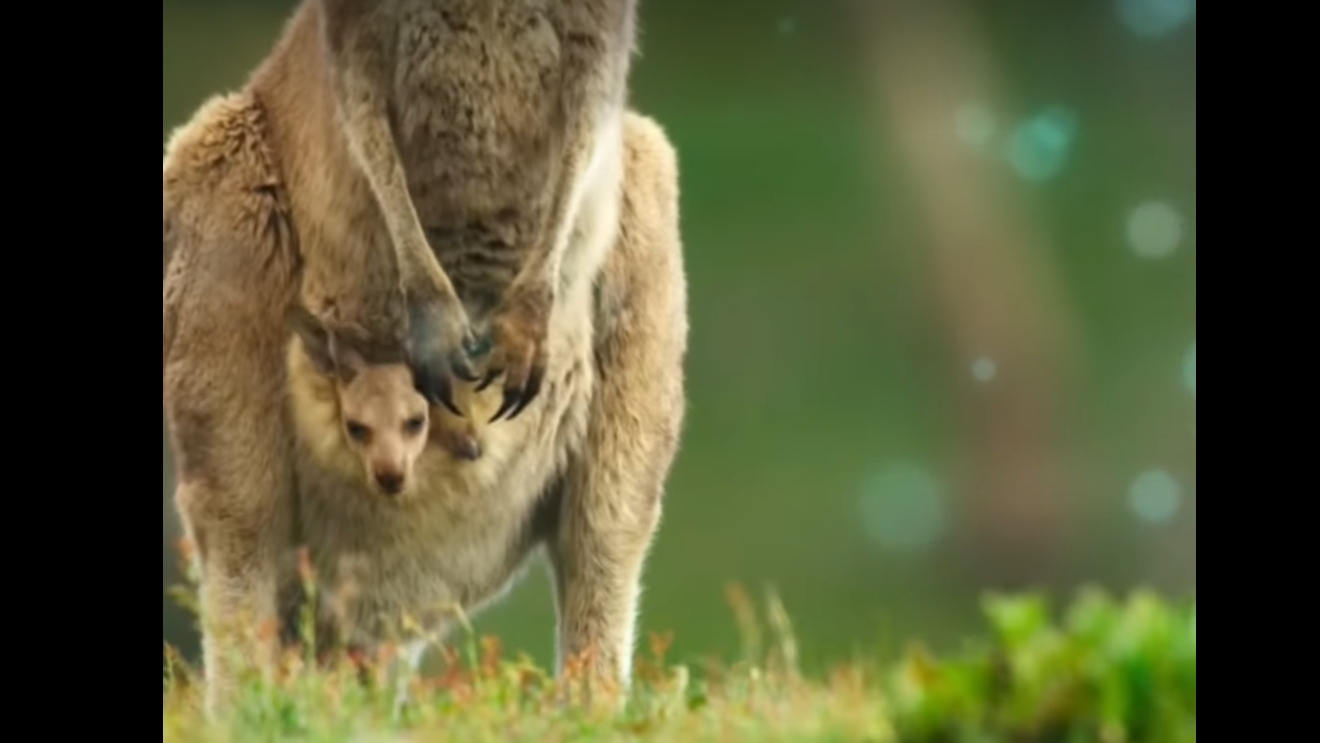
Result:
[
  {"x": 974, "y": 125},
  {"x": 1154, "y": 496},
  {"x": 1153, "y": 19},
  {"x": 1189, "y": 370},
  {"x": 1039, "y": 146},
  {"x": 984, "y": 369},
  {"x": 1154, "y": 230},
  {"x": 903, "y": 508},
  {"x": 787, "y": 26}
]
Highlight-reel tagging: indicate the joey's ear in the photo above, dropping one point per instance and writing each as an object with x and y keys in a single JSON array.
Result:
[
  {"x": 317, "y": 341},
  {"x": 348, "y": 361}
]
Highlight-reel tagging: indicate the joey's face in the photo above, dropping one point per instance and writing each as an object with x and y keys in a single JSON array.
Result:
[{"x": 385, "y": 423}]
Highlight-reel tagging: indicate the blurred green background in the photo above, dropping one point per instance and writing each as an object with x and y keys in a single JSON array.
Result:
[{"x": 942, "y": 296}]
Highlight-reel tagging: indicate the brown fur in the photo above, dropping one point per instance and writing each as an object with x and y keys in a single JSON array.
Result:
[
  {"x": 461, "y": 133},
  {"x": 576, "y": 270}
]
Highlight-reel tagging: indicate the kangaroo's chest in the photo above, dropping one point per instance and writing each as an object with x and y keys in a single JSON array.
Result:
[
  {"x": 482, "y": 99},
  {"x": 476, "y": 107}
]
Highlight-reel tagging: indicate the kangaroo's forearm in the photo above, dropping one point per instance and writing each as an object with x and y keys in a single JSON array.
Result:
[{"x": 372, "y": 146}]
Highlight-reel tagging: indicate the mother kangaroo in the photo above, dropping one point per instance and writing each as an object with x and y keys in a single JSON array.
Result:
[{"x": 434, "y": 174}]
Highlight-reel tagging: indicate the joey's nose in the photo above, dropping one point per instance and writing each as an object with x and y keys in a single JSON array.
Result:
[{"x": 390, "y": 482}]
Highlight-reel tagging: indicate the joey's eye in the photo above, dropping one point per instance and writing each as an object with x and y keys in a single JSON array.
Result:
[
  {"x": 414, "y": 425},
  {"x": 358, "y": 432}
]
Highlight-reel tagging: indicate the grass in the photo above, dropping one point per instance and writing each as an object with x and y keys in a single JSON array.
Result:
[{"x": 1110, "y": 672}]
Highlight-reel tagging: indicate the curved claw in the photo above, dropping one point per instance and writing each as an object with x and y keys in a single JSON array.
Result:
[
  {"x": 510, "y": 399},
  {"x": 529, "y": 391},
  {"x": 448, "y": 402},
  {"x": 438, "y": 391},
  {"x": 518, "y": 340},
  {"x": 440, "y": 356}
]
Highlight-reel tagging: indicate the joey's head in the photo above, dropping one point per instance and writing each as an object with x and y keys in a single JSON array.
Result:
[
  {"x": 385, "y": 423},
  {"x": 383, "y": 418}
]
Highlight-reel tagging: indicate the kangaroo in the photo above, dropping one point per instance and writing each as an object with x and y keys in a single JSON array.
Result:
[{"x": 507, "y": 157}]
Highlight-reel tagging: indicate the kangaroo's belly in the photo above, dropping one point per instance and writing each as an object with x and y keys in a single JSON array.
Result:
[
  {"x": 459, "y": 535},
  {"x": 453, "y": 540},
  {"x": 393, "y": 585}
]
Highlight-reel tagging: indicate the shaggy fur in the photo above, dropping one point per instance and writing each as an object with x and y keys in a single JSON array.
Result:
[{"x": 554, "y": 213}]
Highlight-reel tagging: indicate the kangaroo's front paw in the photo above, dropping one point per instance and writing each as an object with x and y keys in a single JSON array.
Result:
[
  {"x": 439, "y": 334},
  {"x": 518, "y": 337}
]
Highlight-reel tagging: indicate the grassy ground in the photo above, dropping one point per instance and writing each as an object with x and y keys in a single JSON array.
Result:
[{"x": 1110, "y": 672}]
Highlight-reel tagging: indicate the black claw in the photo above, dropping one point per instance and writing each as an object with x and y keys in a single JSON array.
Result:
[
  {"x": 440, "y": 392},
  {"x": 522, "y": 403},
  {"x": 490, "y": 377},
  {"x": 448, "y": 403},
  {"x": 529, "y": 392},
  {"x": 510, "y": 399}
]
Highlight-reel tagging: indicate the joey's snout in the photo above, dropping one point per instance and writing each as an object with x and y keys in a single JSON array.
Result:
[{"x": 389, "y": 481}]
